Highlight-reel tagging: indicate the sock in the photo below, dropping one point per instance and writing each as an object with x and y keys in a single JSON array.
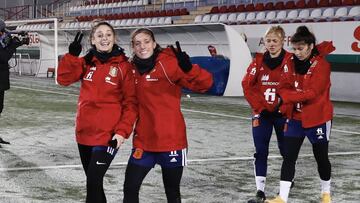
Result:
[
  {"x": 260, "y": 183},
  {"x": 325, "y": 186},
  {"x": 284, "y": 190}
]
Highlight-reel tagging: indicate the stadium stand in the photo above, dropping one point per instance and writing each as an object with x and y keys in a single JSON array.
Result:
[{"x": 144, "y": 12}]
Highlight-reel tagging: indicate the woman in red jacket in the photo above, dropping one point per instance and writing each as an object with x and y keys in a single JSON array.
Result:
[
  {"x": 107, "y": 105},
  {"x": 305, "y": 93},
  {"x": 260, "y": 85},
  {"x": 160, "y": 133}
]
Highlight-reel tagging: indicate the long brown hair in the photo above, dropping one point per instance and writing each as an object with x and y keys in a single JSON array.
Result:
[{"x": 147, "y": 32}]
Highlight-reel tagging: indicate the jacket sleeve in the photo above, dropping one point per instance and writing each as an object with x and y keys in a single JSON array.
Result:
[
  {"x": 6, "y": 53},
  {"x": 319, "y": 82},
  {"x": 197, "y": 79},
  {"x": 70, "y": 69},
  {"x": 129, "y": 113},
  {"x": 251, "y": 90}
]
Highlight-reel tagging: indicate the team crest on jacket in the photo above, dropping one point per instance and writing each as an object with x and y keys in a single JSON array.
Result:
[{"x": 113, "y": 71}]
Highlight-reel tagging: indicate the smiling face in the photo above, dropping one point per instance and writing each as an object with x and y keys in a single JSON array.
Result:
[
  {"x": 143, "y": 45},
  {"x": 302, "y": 50},
  {"x": 103, "y": 39},
  {"x": 274, "y": 44}
]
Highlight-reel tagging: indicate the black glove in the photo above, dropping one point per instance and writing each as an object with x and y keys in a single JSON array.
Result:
[
  {"x": 113, "y": 143},
  {"x": 16, "y": 42},
  {"x": 266, "y": 113},
  {"x": 26, "y": 40},
  {"x": 277, "y": 114},
  {"x": 3, "y": 141},
  {"x": 280, "y": 100},
  {"x": 182, "y": 58},
  {"x": 75, "y": 46}
]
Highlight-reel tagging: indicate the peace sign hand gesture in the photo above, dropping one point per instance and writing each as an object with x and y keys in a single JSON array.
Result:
[
  {"x": 182, "y": 58},
  {"x": 75, "y": 46}
]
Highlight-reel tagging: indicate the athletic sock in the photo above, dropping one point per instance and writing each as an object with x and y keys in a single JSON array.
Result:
[
  {"x": 260, "y": 182},
  {"x": 325, "y": 186},
  {"x": 284, "y": 190}
]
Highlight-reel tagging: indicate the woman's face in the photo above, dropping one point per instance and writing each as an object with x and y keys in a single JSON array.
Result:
[
  {"x": 302, "y": 51},
  {"x": 143, "y": 45},
  {"x": 273, "y": 44},
  {"x": 103, "y": 39}
]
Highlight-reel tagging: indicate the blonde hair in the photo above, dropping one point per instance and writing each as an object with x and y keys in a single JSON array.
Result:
[
  {"x": 277, "y": 30},
  {"x": 97, "y": 23}
]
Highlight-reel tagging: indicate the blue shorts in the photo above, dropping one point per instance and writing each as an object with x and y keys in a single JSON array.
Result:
[
  {"x": 169, "y": 159},
  {"x": 317, "y": 134}
]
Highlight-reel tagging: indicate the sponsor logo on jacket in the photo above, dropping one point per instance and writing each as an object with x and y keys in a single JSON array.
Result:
[
  {"x": 148, "y": 78},
  {"x": 265, "y": 81}
]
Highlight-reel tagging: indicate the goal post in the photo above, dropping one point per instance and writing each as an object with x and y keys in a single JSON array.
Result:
[{"x": 43, "y": 47}]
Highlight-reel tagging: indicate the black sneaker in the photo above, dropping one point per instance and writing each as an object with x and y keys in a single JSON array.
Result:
[
  {"x": 3, "y": 141},
  {"x": 259, "y": 198}
]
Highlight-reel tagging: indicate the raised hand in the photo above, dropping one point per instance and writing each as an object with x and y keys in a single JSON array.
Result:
[
  {"x": 75, "y": 46},
  {"x": 182, "y": 58}
]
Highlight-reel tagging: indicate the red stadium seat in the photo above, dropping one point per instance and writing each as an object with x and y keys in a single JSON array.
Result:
[
  {"x": 249, "y": 7},
  {"x": 348, "y": 2},
  {"x": 231, "y": 9},
  {"x": 151, "y": 14},
  {"x": 112, "y": 16},
  {"x": 259, "y": 7},
  {"x": 144, "y": 14},
  {"x": 163, "y": 13},
  {"x": 357, "y": 2},
  {"x": 300, "y": 4},
  {"x": 223, "y": 9},
  {"x": 170, "y": 12},
  {"x": 177, "y": 12},
  {"x": 214, "y": 9},
  {"x": 312, "y": 4},
  {"x": 138, "y": 14},
  {"x": 240, "y": 8},
  {"x": 126, "y": 15},
  {"x": 184, "y": 11},
  {"x": 156, "y": 13},
  {"x": 118, "y": 16},
  {"x": 279, "y": 5},
  {"x": 269, "y": 6},
  {"x": 106, "y": 17},
  {"x": 132, "y": 15},
  {"x": 324, "y": 3},
  {"x": 335, "y": 3},
  {"x": 291, "y": 5}
]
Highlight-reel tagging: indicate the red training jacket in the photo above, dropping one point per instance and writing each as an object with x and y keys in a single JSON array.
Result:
[
  {"x": 107, "y": 103},
  {"x": 161, "y": 125},
  {"x": 260, "y": 84},
  {"x": 307, "y": 97}
]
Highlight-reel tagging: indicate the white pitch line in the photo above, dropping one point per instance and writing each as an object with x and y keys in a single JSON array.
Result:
[
  {"x": 247, "y": 118},
  {"x": 45, "y": 91},
  {"x": 216, "y": 114},
  {"x": 195, "y": 161},
  {"x": 188, "y": 110}
]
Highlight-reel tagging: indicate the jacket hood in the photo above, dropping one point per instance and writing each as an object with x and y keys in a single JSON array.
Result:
[
  {"x": 165, "y": 53},
  {"x": 325, "y": 48}
]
